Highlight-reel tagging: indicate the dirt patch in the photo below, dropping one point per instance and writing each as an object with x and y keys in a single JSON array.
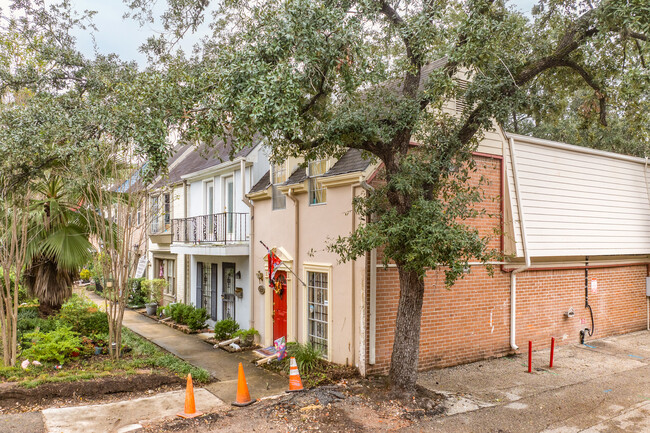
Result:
[
  {"x": 19, "y": 399},
  {"x": 324, "y": 373},
  {"x": 349, "y": 406}
]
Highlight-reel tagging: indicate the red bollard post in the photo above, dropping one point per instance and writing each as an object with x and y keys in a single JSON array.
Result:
[
  {"x": 530, "y": 356},
  {"x": 550, "y": 365}
]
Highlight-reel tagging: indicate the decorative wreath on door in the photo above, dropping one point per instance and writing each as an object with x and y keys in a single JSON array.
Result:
[{"x": 280, "y": 282}]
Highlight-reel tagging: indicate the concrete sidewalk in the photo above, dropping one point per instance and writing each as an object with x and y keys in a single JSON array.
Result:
[
  {"x": 219, "y": 363},
  {"x": 126, "y": 415},
  {"x": 603, "y": 386}
]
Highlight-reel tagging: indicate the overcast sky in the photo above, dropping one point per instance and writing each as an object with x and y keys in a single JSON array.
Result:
[{"x": 124, "y": 36}]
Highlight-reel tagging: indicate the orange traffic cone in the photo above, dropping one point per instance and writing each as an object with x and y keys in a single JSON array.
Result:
[
  {"x": 295, "y": 383},
  {"x": 243, "y": 396},
  {"x": 190, "y": 409}
]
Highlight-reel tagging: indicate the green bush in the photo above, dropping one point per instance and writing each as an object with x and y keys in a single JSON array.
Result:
[
  {"x": 308, "y": 356},
  {"x": 27, "y": 313},
  {"x": 136, "y": 297},
  {"x": 55, "y": 345},
  {"x": 196, "y": 319},
  {"x": 83, "y": 316},
  {"x": 246, "y": 336},
  {"x": 85, "y": 274},
  {"x": 180, "y": 312},
  {"x": 225, "y": 329},
  {"x": 152, "y": 290}
]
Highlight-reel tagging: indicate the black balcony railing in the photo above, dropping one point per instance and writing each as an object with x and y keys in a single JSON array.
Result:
[{"x": 220, "y": 228}]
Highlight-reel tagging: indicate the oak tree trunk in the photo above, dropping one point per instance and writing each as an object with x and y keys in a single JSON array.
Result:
[{"x": 406, "y": 347}]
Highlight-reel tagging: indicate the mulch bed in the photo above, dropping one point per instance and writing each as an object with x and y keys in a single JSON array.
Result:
[
  {"x": 183, "y": 328},
  {"x": 15, "y": 398}
]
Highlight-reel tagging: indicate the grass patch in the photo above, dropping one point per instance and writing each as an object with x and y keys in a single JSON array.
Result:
[{"x": 143, "y": 355}]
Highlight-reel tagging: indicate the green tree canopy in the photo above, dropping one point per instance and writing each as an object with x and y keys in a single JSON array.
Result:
[{"x": 316, "y": 77}]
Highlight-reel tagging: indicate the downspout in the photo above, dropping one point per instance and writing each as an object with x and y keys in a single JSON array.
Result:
[
  {"x": 513, "y": 274},
  {"x": 187, "y": 290},
  {"x": 251, "y": 256},
  {"x": 372, "y": 331},
  {"x": 353, "y": 303},
  {"x": 296, "y": 258},
  {"x": 645, "y": 178}
]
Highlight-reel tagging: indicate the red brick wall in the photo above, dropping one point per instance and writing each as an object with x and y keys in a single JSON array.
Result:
[{"x": 471, "y": 321}]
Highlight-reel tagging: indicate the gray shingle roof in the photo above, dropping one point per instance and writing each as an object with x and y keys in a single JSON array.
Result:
[
  {"x": 203, "y": 157},
  {"x": 352, "y": 161},
  {"x": 263, "y": 183},
  {"x": 297, "y": 176},
  {"x": 173, "y": 176}
]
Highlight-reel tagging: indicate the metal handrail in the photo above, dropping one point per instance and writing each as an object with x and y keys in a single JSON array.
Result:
[{"x": 222, "y": 228}]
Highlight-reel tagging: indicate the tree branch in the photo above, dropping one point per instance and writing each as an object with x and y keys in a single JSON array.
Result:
[
  {"x": 574, "y": 36},
  {"x": 600, "y": 94},
  {"x": 319, "y": 93},
  {"x": 639, "y": 36}
]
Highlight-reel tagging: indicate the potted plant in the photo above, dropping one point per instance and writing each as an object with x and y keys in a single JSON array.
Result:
[
  {"x": 153, "y": 290},
  {"x": 246, "y": 336}
]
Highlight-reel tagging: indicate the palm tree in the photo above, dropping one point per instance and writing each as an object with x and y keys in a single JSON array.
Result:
[{"x": 59, "y": 242}]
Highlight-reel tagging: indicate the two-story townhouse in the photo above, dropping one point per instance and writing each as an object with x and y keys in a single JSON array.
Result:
[
  {"x": 299, "y": 209},
  {"x": 167, "y": 201},
  {"x": 214, "y": 234}
]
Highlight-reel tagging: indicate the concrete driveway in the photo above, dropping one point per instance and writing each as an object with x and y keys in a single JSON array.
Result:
[{"x": 603, "y": 386}]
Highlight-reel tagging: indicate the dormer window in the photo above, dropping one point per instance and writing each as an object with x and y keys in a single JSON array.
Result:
[
  {"x": 278, "y": 177},
  {"x": 317, "y": 192}
]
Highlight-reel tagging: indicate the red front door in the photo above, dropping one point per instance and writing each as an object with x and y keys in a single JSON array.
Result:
[{"x": 280, "y": 307}]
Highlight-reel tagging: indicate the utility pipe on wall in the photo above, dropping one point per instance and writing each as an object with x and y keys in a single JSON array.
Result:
[
  {"x": 372, "y": 331},
  {"x": 353, "y": 298},
  {"x": 513, "y": 274},
  {"x": 251, "y": 256},
  {"x": 296, "y": 258}
]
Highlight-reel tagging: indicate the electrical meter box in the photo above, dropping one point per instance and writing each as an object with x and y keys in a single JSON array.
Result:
[{"x": 647, "y": 286}]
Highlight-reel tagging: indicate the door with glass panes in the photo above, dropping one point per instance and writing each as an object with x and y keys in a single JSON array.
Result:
[
  {"x": 228, "y": 291},
  {"x": 206, "y": 288}
]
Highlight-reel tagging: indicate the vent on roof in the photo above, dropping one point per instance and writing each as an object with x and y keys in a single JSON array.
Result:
[{"x": 461, "y": 104}]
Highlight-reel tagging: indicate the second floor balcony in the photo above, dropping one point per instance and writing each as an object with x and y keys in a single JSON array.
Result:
[{"x": 221, "y": 228}]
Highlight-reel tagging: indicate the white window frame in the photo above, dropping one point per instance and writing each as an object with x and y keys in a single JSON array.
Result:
[
  {"x": 154, "y": 227},
  {"x": 315, "y": 183},
  {"x": 167, "y": 208},
  {"x": 325, "y": 269},
  {"x": 275, "y": 192}
]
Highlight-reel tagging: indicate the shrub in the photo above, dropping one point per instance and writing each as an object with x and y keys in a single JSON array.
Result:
[
  {"x": 85, "y": 274},
  {"x": 27, "y": 313},
  {"x": 308, "y": 356},
  {"x": 246, "y": 336},
  {"x": 136, "y": 297},
  {"x": 196, "y": 318},
  {"x": 225, "y": 329},
  {"x": 52, "y": 346},
  {"x": 180, "y": 312},
  {"x": 152, "y": 290},
  {"x": 83, "y": 316}
]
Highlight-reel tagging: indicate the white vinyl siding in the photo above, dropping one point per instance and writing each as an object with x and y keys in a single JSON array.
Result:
[{"x": 579, "y": 204}]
